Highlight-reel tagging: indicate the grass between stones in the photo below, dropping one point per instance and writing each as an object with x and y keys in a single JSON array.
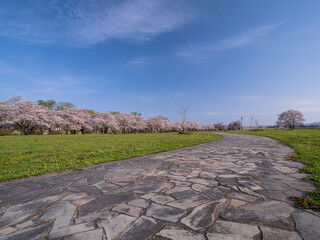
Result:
[
  {"x": 306, "y": 143},
  {"x": 25, "y": 156}
]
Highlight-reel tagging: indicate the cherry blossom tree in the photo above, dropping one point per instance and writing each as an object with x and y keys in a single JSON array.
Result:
[
  {"x": 26, "y": 115},
  {"x": 104, "y": 121},
  {"x": 30, "y": 116},
  {"x": 5, "y": 110},
  {"x": 75, "y": 120},
  {"x": 290, "y": 119}
]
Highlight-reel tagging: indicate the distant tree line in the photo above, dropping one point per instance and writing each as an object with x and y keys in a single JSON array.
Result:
[{"x": 31, "y": 117}]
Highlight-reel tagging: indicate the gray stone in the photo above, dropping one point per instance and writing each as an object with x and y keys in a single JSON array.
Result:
[
  {"x": 90, "y": 235},
  {"x": 189, "y": 202},
  {"x": 164, "y": 213},
  {"x": 22, "y": 212},
  {"x": 175, "y": 233},
  {"x": 105, "y": 186},
  {"x": 162, "y": 199},
  {"x": 241, "y": 196},
  {"x": 6, "y": 231},
  {"x": 184, "y": 194},
  {"x": 2, "y": 210},
  {"x": 230, "y": 230},
  {"x": 65, "y": 231},
  {"x": 227, "y": 181},
  {"x": 308, "y": 225},
  {"x": 272, "y": 213},
  {"x": 117, "y": 225},
  {"x": 217, "y": 193},
  {"x": 205, "y": 215},
  {"x": 276, "y": 234},
  {"x": 207, "y": 182},
  {"x": 62, "y": 212},
  {"x": 178, "y": 189},
  {"x": 127, "y": 209},
  {"x": 139, "y": 203},
  {"x": 105, "y": 201},
  {"x": 143, "y": 228},
  {"x": 30, "y": 233},
  {"x": 199, "y": 187}
]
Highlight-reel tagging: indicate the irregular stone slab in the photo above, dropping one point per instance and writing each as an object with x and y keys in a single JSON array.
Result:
[
  {"x": 178, "y": 189},
  {"x": 157, "y": 187},
  {"x": 105, "y": 186},
  {"x": 217, "y": 193},
  {"x": 276, "y": 234},
  {"x": 230, "y": 230},
  {"x": 7, "y": 230},
  {"x": 162, "y": 199},
  {"x": 208, "y": 175},
  {"x": 24, "y": 224},
  {"x": 148, "y": 196},
  {"x": 308, "y": 225},
  {"x": 139, "y": 203},
  {"x": 207, "y": 182},
  {"x": 241, "y": 196},
  {"x": 189, "y": 202},
  {"x": 164, "y": 213},
  {"x": 61, "y": 232},
  {"x": 248, "y": 191},
  {"x": 90, "y": 235},
  {"x": 90, "y": 217},
  {"x": 194, "y": 173},
  {"x": 284, "y": 169},
  {"x": 31, "y": 233},
  {"x": 143, "y": 228},
  {"x": 117, "y": 225},
  {"x": 127, "y": 209},
  {"x": 2, "y": 210},
  {"x": 62, "y": 212},
  {"x": 199, "y": 187},
  {"x": 105, "y": 201},
  {"x": 227, "y": 181},
  {"x": 271, "y": 213},
  {"x": 175, "y": 233},
  {"x": 180, "y": 184},
  {"x": 184, "y": 194},
  {"x": 85, "y": 200},
  {"x": 205, "y": 215},
  {"x": 21, "y": 212},
  {"x": 179, "y": 178},
  {"x": 236, "y": 203},
  {"x": 74, "y": 196}
]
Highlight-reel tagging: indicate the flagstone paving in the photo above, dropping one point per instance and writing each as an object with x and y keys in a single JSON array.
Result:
[{"x": 234, "y": 188}]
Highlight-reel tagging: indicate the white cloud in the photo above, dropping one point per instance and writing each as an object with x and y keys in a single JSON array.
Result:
[
  {"x": 137, "y": 62},
  {"x": 91, "y": 21},
  {"x": 200, "y": 52}
]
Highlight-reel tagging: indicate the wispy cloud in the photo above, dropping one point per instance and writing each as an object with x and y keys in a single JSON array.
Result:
[
  {"x": 200, "y": 52},
  {"x": 137, "y": 62},
  {"x": 247, "y": 98},
  {"x": 91, "y": 21}
]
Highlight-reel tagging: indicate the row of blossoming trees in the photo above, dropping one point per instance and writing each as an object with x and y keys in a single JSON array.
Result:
[{"x": 29, "y": 117}]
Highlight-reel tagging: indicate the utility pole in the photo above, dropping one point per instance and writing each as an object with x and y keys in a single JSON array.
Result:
[{"x": 241, "y": 128}]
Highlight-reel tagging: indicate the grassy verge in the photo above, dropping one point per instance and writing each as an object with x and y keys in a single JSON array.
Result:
[
  {"x": 24, "y": 156},
  {"x": 306, "y": 142}
]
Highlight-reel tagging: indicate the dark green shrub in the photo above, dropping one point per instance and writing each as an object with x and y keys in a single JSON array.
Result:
[{"x": 6, "y": 132}]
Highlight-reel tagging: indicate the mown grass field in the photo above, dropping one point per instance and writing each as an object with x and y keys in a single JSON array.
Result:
[
  {"x": 306, "y": 142},
  {"x": 24, "y": 156}
]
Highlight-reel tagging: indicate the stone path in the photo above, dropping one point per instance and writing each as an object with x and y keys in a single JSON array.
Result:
[{"x": 233, "y": 188}]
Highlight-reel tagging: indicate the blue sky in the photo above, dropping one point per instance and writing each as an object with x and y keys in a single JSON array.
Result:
[{"x": 224, "y": 59}]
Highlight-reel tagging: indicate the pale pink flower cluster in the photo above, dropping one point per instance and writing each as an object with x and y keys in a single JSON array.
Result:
[{"x": 27, "y": 116}]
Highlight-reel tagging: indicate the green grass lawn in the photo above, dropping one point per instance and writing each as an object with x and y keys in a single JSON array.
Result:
[
  {"x": 24, "y": 156},
  {"x": 306, "y": 142}
]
